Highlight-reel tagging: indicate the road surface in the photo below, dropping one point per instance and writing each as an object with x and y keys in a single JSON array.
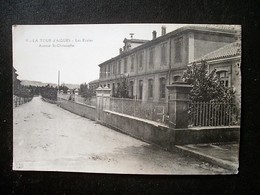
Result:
[{"x": 49, "y": 138}]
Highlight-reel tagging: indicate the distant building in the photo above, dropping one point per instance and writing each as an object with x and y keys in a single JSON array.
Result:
[{"x": 151, "y": 65}]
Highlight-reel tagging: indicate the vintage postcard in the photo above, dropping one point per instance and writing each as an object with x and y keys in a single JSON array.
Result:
[{"x": 127, "y": 98}]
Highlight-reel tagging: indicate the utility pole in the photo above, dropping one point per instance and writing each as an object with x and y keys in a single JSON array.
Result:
[{"x": 58, "y": 80}]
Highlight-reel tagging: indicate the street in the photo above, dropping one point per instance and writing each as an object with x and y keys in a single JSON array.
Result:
[{"x": 49, "y": 138}]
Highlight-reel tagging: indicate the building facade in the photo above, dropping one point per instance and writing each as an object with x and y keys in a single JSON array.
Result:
[
  {"x": 227, "y": 63},
  {"x": 152, "y": 65}
]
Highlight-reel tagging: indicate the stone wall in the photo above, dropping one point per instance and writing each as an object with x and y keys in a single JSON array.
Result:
[
  {"x": 148, "y": 131},
  {"x": 156, "y": 133},
  {"x": 49, "y": 101},
  {"x": 78, "y": 108}
]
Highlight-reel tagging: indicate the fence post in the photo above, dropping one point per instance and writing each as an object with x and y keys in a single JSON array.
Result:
[
  {"x": 103, "y": 101},
  {"x": 179, "y": 104}
]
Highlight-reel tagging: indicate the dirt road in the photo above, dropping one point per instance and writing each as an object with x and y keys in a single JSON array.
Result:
[{"x": 48, "y": 138}]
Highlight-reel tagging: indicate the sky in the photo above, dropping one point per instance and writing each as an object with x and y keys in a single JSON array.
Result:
[{"x": 40, "y": 51}]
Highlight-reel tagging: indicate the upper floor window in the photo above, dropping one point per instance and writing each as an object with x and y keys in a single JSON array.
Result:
[
  {"x": 114, "y": 68},
  {"x": 141, "y": 60},
  {"x": 125, "y": 65},
  {"x": 105, "y": 72},
  {"x": 150, "y": 88},
  {"x": 178, "y": 50},
  {"x": 151, "y": 57},
  {"x": 163, "y": 53},
  {"x": 119, "y": 67},
  {"x": 162, "y": 87},
  {"x": 108, "y": 70},
  {"x": 132, "y": 63}
]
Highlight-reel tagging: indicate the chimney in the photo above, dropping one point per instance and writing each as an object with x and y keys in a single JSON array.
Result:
[
  {"x": 163, "y": 30},
  {"x": 154, "y": 34},
  {"x": 132, "y": 34}
]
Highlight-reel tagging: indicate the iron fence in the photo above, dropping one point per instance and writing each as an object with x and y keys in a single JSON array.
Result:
[
  {"x": 213, "y": 114},
  {"x": 155, "y": 111}
]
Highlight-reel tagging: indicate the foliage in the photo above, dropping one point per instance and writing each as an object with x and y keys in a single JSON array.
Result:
[
  {"x": 206, "y": 87},
  {"x": 34, "y": 90},
  {"x": 49, "y": 92},
  {"x": 64, "y": 88},
  {"x": 85, "y": 91},
  {"x": 22, "y": 91},
  {"x": 122, "y": 87}
]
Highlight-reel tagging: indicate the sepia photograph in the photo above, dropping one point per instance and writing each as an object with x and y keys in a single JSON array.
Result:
[{"x": 149, "y": 99}]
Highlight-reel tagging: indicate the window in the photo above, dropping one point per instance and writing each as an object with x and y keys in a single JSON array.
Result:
[
  {"x": 151, "y": 57},
  {"x": 108, "y": 70},
  {"x": 163, "y": 54},
  {"x": 132, "y": 63},
  {"x": 150, "y": 88},
  {"x": 177, "y": 78},
  {"x": 119, "y": 67},
  {"x": 131, "y": 89},
  {"x": 114, "y": 68},
  {"x": 178, "y": 50},
  {"x": 125, "y": 65},
  {"x": 140, "y": 89},
  {"x": 113, "y": 89},
  {"x": 104, "y": 72},
  {"x": 118, "y": 89},
  {"x": 224, "y": 78},
  {"x": 108, "y": 85},
  {"x": 162, "y": 87},
  {"x": 141, "y": 60}
]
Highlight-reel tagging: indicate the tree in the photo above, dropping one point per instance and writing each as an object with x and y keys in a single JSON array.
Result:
[
  {"x": 85, "y": 91},
  {"x": 64, "y": 88},
  {"x": 122, "y": 88},
  {"x": 206, "y": 86},
  {"x": 49, "y": 92}
]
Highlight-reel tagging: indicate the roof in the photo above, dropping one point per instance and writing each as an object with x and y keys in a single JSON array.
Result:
[
  {"x": 136, "y": 40},
  {"x": 176, "y": 32},
  {"x": 230, "y": 50}
]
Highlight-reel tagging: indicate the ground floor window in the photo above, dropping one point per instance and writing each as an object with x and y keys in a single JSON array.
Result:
[
  {"x": 140, "y": 89},
  {"x": 113, "y": 89},
  {"x": 176, "y": 78},
  {"x": 224, "y": 77},
  {"x": 131, "y": 89},
  {"x": 150, "y": 88},
  {"x": 162, "y": 87}
]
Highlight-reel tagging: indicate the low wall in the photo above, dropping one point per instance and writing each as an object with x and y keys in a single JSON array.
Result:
[
  {"x": 78, "y": 108},
  {"x": 153, "y": 132},
  {"x": 207, "y": 135},
  {"x": 49, "y": 101},
  {"x": 149, "y": 131}
]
